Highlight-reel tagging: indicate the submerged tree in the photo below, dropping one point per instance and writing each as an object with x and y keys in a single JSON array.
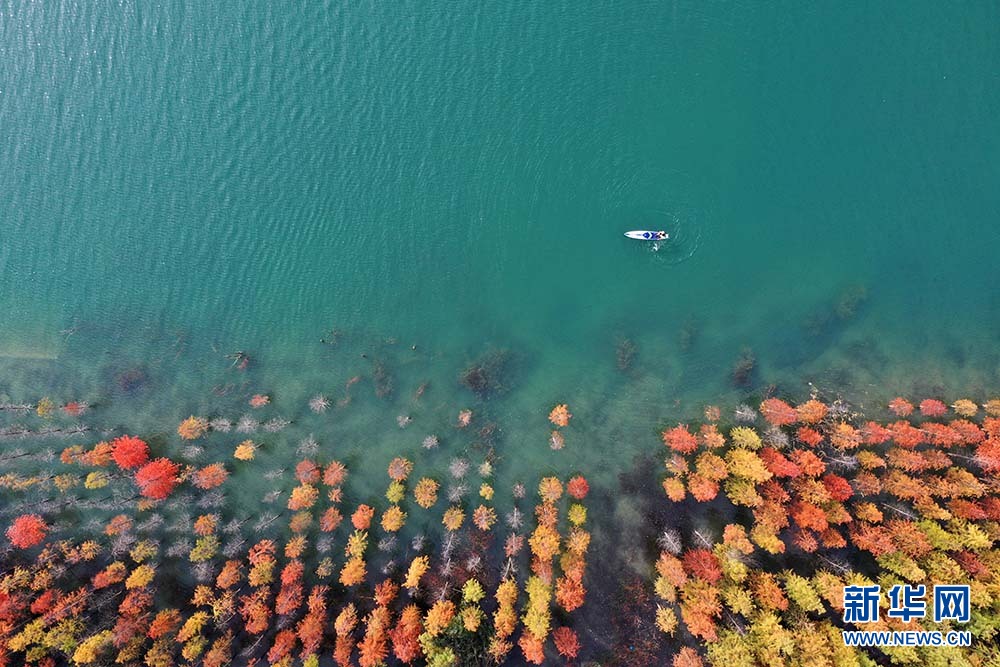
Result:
[{"x": 192, "y": 428}]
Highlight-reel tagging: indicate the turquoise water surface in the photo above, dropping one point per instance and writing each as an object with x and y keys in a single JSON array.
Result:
[{"x": 444, "y": 182}]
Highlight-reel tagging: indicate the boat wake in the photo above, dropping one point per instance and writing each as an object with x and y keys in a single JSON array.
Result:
[{"x": 685, "y": 236}]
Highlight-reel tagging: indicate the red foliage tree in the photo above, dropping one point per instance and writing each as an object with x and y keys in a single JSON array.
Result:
[
  {"x": 900, "y": 407},
  {"x": 910, "y": 539},
  {"x": 74, "y": 408},
  {"x": 809, "y": 436},
  {"x": 362, "y": 517},
  {"x": 942, "y": 435},
  {"x": 971, "y": 563},
  {"x": 284, "y": 642},
  {"x": 566, "y": 642},
  {"x": 906, "y": 434},
  {"x": 577, "y": 487},
  {"x": 133, "y": 617},
  {"x": 931, "y": 407},
  {"x": 307, "y": 472},
  {"x": 805, "y": 540},
  {"x": 335, "y": 474},
  {"x": 374, "y": 648},
  {"x": 991, "y": 506},
  {"x": 680, "y": 439},
  {"x": 967, "y": 509},
  {"x": 671, "y": 568},
  {"x": 310, "y": 628},
  {"x": 778, "y": 413},
  {"x": 27, "y": 531},
  {"x": 838, "y": 487},
  {"x": 129, "y": 452},
  {"x": 700, "y": 607},
  {"x": 844, "y": 436},
  {"x": 907, "y": 459},
  {"x": 767, "y": 592},
  {"x": 570, "y": 593},
  {"x": 867, "y": 484},
  {"x": 812, "y": 411},
  {"x": 874, "y": 433},
  {"x": 776, "y": 462},
  {"x": 45, "y": 601},
  {"x": 290, "y": 594},
  {"x": 165, "y": 623},
  {"x": 807, "y": 515},
  {"x": 702, "y": 563},
  {"x": 967, "y": 431},
  {"x": 808, "y": 463},
  {"x": 832, "y": 539},
  {"x": 157, "y": 479},
  {"x": 988, "y": 455},
  {"x": 255, "y": 611},
  {"x": 330, "y": 519},
  {"x": 774, "y": 492},
  {"x": 872, "y": 538},
  {"x": 532, "y": 647}
]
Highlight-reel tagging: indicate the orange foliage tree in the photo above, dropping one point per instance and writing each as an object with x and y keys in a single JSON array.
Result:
[
  {"x": 811, "y": 412},
  {"x": 560, "y": 415},
  {"x": 405, "y": 636},
  {"x": 303, "y": 497},
  {"x": 192, "y": 428},
  {"x": 344, "y": 626},
  {"x": 362, "y": 517},
  {"x": 210, "y": 476}
]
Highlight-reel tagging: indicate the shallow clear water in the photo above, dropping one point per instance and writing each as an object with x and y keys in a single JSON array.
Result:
[{"x": 183, "y": 180}]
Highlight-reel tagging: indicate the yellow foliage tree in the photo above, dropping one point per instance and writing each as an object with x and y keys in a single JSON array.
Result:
[
  {"x": 141, "y": 576},
  {"x": 91, "y": 649},
  {"x": 537, "y": 618},
  {"x": 393, "y": 519},
  {"x": 245, "y": 451},
  {"x": 425, "y": 492},
  {"x": 418, "y": 567}
]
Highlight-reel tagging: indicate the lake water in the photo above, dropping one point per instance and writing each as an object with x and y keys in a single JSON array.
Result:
[{"x": 180, "y": 181}]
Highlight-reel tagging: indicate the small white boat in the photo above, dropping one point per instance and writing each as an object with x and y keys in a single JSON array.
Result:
[{"x": 645, "y": 235}]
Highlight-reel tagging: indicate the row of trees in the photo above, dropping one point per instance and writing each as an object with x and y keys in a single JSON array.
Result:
[
  {"x": 828, "y": 499},
  {"x": 285, "y": 597}
]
